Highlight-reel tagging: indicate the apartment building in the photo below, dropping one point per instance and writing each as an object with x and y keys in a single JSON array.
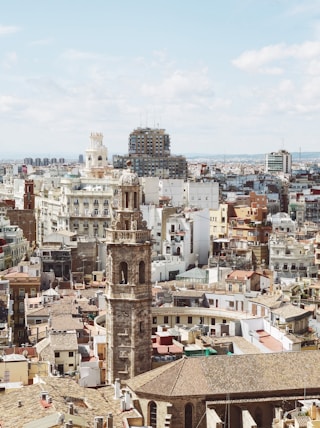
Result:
[
  {"x": 289, "y": 257},
  {"x": 149, "y": 152},
  {"x": 13, "y": 245},
  {"x": 24, "y": 281},
  {"x": 5, "y": 314},
  {"x": 278, "y": 162},
  {"x": 81, "y": 204},
  {"x": 187, "y": 236}
]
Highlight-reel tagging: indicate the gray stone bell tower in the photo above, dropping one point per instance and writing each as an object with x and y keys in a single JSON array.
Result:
[{"x": 128, "y": 290}]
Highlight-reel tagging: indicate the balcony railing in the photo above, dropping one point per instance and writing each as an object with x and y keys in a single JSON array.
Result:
[{"x": 128, "y": 236}]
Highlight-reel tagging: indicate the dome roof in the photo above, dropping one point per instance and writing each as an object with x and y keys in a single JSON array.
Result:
[{"x": 129, "y": 178}]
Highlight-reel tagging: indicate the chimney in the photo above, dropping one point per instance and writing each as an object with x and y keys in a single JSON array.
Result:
[
  {"x": 117, "y": 389},
  {"x": 109, "y": 420},
  {"x": 71, "y": 409},
  {"x": 127, "y": 400},
  {"x": 98, "y": 422}
]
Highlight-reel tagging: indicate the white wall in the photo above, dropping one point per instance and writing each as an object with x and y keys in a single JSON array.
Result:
[
  {"x": 150, "y": 188},
  {"x": 160, "y": 269},
  {"x": 89, "y": 374},
  {"x": 173, "y": 188},
  {"x": 201, "y": 234},
  {"x": 202, "y": 194}
]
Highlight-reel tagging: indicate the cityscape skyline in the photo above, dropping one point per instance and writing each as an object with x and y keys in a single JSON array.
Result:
[{"x": 222, "y": 77}]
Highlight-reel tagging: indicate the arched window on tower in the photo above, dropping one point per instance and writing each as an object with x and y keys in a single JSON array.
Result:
[
  {"x": 188, "y": 416},
  {"x": 135, "y": 200},
  {"x": 142, "y": 272},
  {"x": 123, "y": 273},
  {"x": 153, "y": 414},
  {"x": 127, "y": 199},
  {"x": 99, "y": 158}
]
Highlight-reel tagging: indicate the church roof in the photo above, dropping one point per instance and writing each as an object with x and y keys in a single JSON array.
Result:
[{"x": 241, "y": 375}]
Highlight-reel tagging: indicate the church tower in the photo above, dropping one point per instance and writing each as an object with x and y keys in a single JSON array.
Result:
[
  {"x": 96, "y": 156},
  {"x": 128, "y": 290}
]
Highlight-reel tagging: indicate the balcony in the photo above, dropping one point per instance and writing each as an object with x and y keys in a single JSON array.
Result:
[
  {"x": 139, "y": 236},
  {"x": 177, "y": 232}
]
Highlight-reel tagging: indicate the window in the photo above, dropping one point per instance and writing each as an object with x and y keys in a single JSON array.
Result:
[
  {"x": 153, "y": 414},
  {"x": 71, "y": 354},
  {"x": 21, "y": 292},
  {"x": 230, "y": 287},
  {"x": 189, "y": 320},
  {"x": 224, "y": 321},
  {"x": 57, "y": 354},
  {"x": 188, "y": 416},
  {"x": 178, "y": 320},
  {"x": 213, "y": 321},
  {"x": 166, "y": 319},
  {"x": 154, "y": 320},
  {"x": 142, "y": 270},
  {"x": 123, "y": 273}
]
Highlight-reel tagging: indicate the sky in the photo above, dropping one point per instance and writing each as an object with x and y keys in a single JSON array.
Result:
[{"x": 221, "y": 77}]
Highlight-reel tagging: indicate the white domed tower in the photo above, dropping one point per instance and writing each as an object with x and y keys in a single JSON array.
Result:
[
  {"x": 128, "y": 290},
  {"x": 96, "y": 156}
]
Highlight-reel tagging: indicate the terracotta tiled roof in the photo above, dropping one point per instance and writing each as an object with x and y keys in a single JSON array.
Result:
[
  {"x": 290, "y": 312},
  {"x": 241, "y": 274},
  {"x": 272, "y": 301},
  {"x": 236, "y": 374},
  {"x": 66, "y": 322},
  {"x": 62, "y": 390}
]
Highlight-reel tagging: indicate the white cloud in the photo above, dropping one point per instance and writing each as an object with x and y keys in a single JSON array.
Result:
[
  {"x": 41, "y": 42},
  {"x": 8, "y": 29},
  {"x": 258, "y": 60},
  {"x": 10, "y": 104},
  {"x": 9, "y": 60},
  {"x": 306, "y": 7},
  {"x": 76, "y": 55},
  {"x": 179, "y": 85}
]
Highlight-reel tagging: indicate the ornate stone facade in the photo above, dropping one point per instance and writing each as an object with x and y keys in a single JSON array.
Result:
[{"x": 128, "y": 289}]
